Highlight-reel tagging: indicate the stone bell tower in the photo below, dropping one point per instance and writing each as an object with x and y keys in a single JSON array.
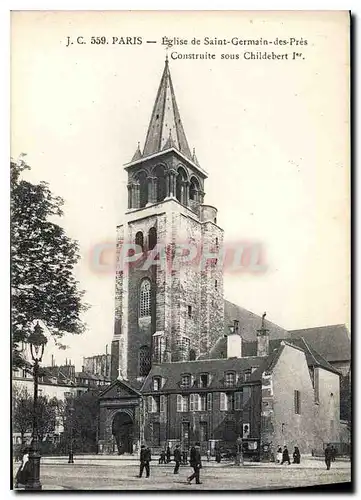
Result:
[{"x": 165, "y": 314}]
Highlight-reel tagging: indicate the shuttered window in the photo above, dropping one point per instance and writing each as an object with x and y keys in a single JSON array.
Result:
[
  {"x": 209, "y": 401},
  {"x": 223, "y": 401}
]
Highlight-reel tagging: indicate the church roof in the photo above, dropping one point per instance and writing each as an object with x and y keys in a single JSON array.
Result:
[
  {"x": 249, "y": 322},
  {"x": 314, "y": 358},
  {"x": 333, "y": 342},
  {"x": 165, "y": 119}
]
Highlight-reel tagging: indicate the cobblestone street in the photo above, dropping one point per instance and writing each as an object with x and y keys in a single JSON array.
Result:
[{"x": 120, "y": 474}]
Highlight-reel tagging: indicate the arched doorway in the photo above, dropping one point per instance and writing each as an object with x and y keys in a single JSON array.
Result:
[{"x": 122, "y": 430}]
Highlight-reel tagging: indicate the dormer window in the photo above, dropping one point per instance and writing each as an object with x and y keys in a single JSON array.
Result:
[
  {"x": 204, "y": 380},
  {"x": 247, "y": 375},
  {"x": 186, "y": 381},
  {"x": 157, "y": 383},
  {"x": 230, "y": 379}
]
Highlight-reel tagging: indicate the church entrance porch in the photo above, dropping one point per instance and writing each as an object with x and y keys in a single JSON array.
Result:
[{"x": 119, "y": 413}]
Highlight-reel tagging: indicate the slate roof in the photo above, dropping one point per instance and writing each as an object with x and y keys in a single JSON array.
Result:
[
  {"x": 216, "y": 368},
  {"x": 333, "y": 342},
  {"x": 165, "y": 119},
  {"x": 312, "y": 356},
  {"x": 249, "y": 322}
]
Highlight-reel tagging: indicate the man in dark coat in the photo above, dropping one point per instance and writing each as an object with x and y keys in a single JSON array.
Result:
[
  {"x": 285, "y": 456},
  {"x": 296, "y": 456},
  {"x": 168, "y": 454},
  {"x": 195, "y": 462},
  {"x": 328, "y": 456},
  {"x": 177, "y": 459},
  {"x": 333, "y": 453},
  {"x": 162, "y": 457},
  {"x": 145, "y": 458}
]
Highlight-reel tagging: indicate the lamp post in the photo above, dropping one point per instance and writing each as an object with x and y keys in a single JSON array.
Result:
[
  {"x": 239, "y": 456},
  {"x": 71, "y": 453},
  {"x": 37, "y": 341}
]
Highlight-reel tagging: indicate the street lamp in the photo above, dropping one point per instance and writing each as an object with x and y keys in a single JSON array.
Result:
[
  {"x": 37, "y": 341},
  {"x": 239, "y": 456},
  {"x": 71, "y": 453}
]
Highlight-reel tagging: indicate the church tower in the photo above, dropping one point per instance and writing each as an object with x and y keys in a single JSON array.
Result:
[{"x": 166, "y": 313}]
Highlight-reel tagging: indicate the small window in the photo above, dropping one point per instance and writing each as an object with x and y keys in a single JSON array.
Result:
[
  {"x": 202, "y": 402},
  {"x": 139, "y": 239},
  {"x": 238, "y": 400},
  {"x": 230, "y": 379},
  {"x": 216, "y": 284},
  {"x": 192, "y": 355},
  {"x": 223, "y": 404},
  {"x": 216, "y": 242},
  {"x": 156, "y": 384},
  {"x": 209, "y": 401},
  {"x": 203, "y": 380},
  {"x": 215, "y": 220},
  {"x": 189, "y": 311},
  {"x": 163, "y": 404},
  {"x": 153, "y": 404},
  {"x": 186, "y": 381},
  {"x": 297, "y": 396},
  {"x": 152, "y": 238}
]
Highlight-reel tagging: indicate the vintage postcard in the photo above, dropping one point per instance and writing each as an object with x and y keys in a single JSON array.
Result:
[{"x": 180, "y": 240}]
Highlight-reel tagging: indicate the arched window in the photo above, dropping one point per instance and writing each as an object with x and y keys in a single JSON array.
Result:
[
  {"x": 139, "y": 239},
  {"x": 144, "y": 299},
  {"x": 152, "y": 238},
  {"x": 192, "y": 355},
  {"x": 181, "y": 178},
  {"x": 194, "y": 189},
  {"x": 144, "y": 361},
  {"x": 143, "y": 189},
  {"x": 161, "y": 183}
]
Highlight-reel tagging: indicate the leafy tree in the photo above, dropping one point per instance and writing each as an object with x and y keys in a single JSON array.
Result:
[
  {"x": 46, "y": 415},
  {"x": 81, "y": 415},
  {"x": 43, "y": 259},
  {"x": 22, "y": 414}
]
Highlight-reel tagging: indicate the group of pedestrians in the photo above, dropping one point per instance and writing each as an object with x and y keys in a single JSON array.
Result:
[
  {"x": 283, "y": 456},
  {"x": 165, "y": 457}
]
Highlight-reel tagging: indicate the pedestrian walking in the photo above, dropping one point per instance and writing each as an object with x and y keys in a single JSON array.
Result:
[
  {"x": 328, "y": 456},
  {"x": 195, "y": 462},
  {"x": 218, "y": 456},
  {"x": 22, "y": 474},
  {"x": 296, "y": 455},
  {"x": 333, "y": 453},
  {"x": 177, "y": 459},
  {"x": 145, "y": 458},
  {"x": 162, "y": 457},
  {"x": 168, "y": 454},
  {"x": 279, "y": 455},
  {"x": 208, "y": 453},
  {"x": 285, "y": 456}
]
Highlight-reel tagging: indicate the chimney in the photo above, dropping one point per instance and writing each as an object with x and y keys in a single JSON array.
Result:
[
  {"x": 263, "y": 339},
  {"x": 234, "y": 342}
]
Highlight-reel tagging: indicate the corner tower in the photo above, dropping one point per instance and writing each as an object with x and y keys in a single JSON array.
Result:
[{"x": 163, "y": 313}]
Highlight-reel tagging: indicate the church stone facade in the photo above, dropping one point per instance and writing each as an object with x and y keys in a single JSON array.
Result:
[{"x": 178, "y": 375}]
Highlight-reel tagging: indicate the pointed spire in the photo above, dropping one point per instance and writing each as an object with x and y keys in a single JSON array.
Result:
[
  {"x": 194, "y": 157},
  {"x": 165, "y": 118},
  {"x": 138, "y": 154}
]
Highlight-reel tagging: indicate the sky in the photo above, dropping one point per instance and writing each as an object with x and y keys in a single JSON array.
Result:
[{"x": 273, "y": 136}]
